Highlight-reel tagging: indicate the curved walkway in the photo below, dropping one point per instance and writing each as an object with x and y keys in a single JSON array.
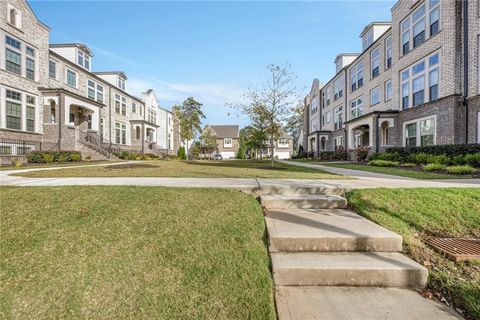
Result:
[{"x": 362, "y": 180}]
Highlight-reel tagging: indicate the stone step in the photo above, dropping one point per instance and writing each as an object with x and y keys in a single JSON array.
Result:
[
  {"x": 303, "y": 201},
  {"x": 327, "y": 230},
  {"x": 347, "y": 269},
  {"x": 300, "y": 189},
  {"x": 357, "y": 303}
]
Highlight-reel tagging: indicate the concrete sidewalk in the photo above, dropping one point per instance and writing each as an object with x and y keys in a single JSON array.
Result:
[{"x": 362, "y": 180}]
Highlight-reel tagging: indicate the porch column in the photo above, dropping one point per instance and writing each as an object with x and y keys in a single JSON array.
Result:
[
  {"x": 67, "y": 114},
  {"x": 95, "y": 120}
]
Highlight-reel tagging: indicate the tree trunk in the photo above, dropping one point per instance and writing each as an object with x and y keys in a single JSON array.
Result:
[{"x": 272, "y": 154}]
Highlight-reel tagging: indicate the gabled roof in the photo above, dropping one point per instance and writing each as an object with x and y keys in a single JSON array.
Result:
[
  {"x": 225, "y": 131},
  {"x": 120, "y": 73},
  {"x": 43, "y": 25},
  {"x": 81, "y": 46}
]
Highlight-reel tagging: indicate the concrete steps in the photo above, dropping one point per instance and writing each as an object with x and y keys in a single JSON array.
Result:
[
  {"x": 327, "y": 230},
  {"x": 302, "y": 201},
  {"x": 347, "y": 269},
  {"x": 357, "y": 303},
  {"x": 330, "y": 263},
  {"x": 92, "y": 154}
]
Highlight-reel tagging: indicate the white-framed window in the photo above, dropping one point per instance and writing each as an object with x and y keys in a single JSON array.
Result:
[
  {"x": 374, "y": 96},
  {"x": 388, "y": 52},
  {"x": 227, "y": 142},
  {"x": 134, "y": 107},
  {"x": 367, "y": 39},
  {"x": 13, "y": 106},
  {"x": 414, "y": 28},
  {"x": 30, "y": 113},
  {"x": 13, "y": 55},
  {"x": 313, "y": 125},
  {"x": 356, "y": 76},
  {"x": 30, "y": 63},
  {"x": 52, "y": 69},
  {"x": 326, "y": 118},
  {"x": 314, "y": 104},
  {"x": 120, "y": 133},
  {"x": 14, "y": 16},
  {"x": 356, "y": 107},
  {"x": 420, "y": 132},
  {"x": 117, "y": 103},
  {"x": 375, "y": 62},
  {"x": 338, "y": 88},
  {"x": 420, "y": 82},
  {"x": 338, "y": 117},
  {"x": 94, "y": 91},
  {"x": 120, "y": 104},
  {"x": 283, "y": 143},
  {"x": 121, "y": 83},
  {"x": 338, "y": 142},
  {"x": 388, "y": 90},
  {"x": 83, "y": 59},
  {"x": 71, "y": 78},
  {"x": 328, "y": 96},
  {"x": 152, "y": 116}
]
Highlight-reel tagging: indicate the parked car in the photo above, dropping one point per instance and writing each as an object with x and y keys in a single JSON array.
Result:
[{"x": 217, "y": 157}]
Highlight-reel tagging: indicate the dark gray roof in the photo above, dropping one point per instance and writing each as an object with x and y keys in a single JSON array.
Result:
[{"x": 226, "y": 131}]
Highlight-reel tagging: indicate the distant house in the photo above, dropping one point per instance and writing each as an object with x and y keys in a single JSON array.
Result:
[
  {"x": 283, "y": 147},
  {"x": 227, "y": 140}
]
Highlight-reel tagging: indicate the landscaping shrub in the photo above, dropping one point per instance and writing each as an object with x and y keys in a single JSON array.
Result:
[
  {"x": 385, "y": 156},
  {"x": 460, "y": 169},
  {"x": 440, "y": 159},
  {"x": 408, "y": 165},
  {"x": 181, "y": 153},
  {"x": 472, "y": 159},
  {"x": 420, "y": 158},
  {"x": 53, "y": 156},
  {"x": 125, "y": 155},
  {"x": 361, "y": 153},
  {"x": 383, "y": 163},
  {"x": 458, "y": 160},
  {"x": 450, "y": 150},
  {"x": 433, "y": 167}
]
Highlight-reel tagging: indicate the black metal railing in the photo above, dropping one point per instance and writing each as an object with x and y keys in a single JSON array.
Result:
[{"x": 17, "y": 147}]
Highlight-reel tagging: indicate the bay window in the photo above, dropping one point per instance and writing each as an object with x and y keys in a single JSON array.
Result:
[
  {"x": 415, "y": 80},
  {"x": 414, "y": 27},
  {"x": 375, "y": 62}
]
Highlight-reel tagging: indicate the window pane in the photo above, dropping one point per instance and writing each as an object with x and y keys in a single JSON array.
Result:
[
  {"x": 433, "y": 60},
  {"x": 418, "y": 68},
  {"x": 52, "y": 69},
  {"x": 419, "y": 13},
  {"x": 418, "y": 84}
]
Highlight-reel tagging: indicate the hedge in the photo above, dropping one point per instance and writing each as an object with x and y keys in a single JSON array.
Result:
[
  {"x": 53, "y": 156},
  {"x": 449, "y": 150},
  {"x": 125, "y": 155}
]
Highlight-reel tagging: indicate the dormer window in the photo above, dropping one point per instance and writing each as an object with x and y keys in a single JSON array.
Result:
[
  {"x": 14, "y": 17},
  {"x": 83, "y": 60},
  {"x": 121, "y": 83},
  {"x": 367, "y": 39}
]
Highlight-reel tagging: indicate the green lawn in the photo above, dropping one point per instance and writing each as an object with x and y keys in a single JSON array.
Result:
[
  {"x": 193, "y": 169},
  {"x": 418, "y": 213},
  {"x": 132, "y": 252},
  {"x": 397, "y": 171},
  {"x": 66, "y": 164}
]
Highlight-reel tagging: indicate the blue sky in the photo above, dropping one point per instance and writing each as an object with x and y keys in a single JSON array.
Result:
[{"x": 213, "y": 50}]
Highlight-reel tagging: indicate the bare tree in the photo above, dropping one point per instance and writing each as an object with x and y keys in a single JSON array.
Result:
[{"x": 271, "y": 102}]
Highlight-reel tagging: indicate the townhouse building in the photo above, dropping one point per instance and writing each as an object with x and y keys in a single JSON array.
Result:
[
  {"x": 50, "y": 99},
  {"x": 415, "y": 83}
]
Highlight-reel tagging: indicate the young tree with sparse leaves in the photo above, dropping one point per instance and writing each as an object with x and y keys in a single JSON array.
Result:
[
  {"x": 208, "y": 141},
  {"x": 271, "y": 102},
  {"x": 189, "y": 115}
]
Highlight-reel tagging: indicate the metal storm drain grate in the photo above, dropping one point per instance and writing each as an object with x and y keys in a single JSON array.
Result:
[{"x": 457, "y": 249}]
